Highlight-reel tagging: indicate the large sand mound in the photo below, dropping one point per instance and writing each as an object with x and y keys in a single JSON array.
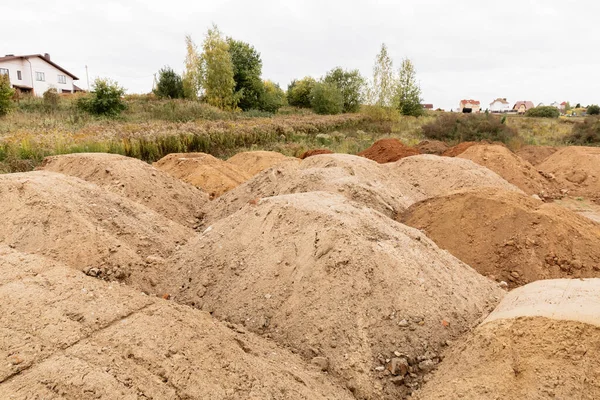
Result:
[
  {"x": 253, "y": 162},
  {"x": 542, "y": 342},
  {"x": 535, "y": 155},
  {"x": 357, "y": 178},
  {"x": 437, "y": 176},
  {"x": 509, "y": 236},
  {"x": 137, "y": 181},
  {"x": 576, "y": 169},
  {"x": 65, "y": 335},
  {"x": 210, "y": 174},
  {"x": 388, "y": 150},
  {"x": 86, "y": 227},
  {"x": 327, "y": 279},
  {"x": 511, "y": 167}
]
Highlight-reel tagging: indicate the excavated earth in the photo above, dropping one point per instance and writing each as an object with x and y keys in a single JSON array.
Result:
[
  {"x": 510, "y": 237},
  {"x": 210, "y": 174},
  {"x": 344, "y": 286},
  {"x": 512, "y": 168},
  {"x": 314, "y": 152},
  {"x": 432, "y": 147},
  {"x": 535, "y": 155},
  {"x": 388, "y": 150},
  {"x": 253, "y": 162},
  {"x": 87, "y": 227},
  {"x": 577, "y": 171},
  {"x": 541, "y": 342},
  {"x": 137, "y": 181},
  {"x": 64, "y": 335},
  {"x": 458, "y": 149}
]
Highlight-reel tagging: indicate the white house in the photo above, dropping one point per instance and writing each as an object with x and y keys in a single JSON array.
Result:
[
  {"x": 36, "y": 73},
  {"x": 500, "y": 105}
]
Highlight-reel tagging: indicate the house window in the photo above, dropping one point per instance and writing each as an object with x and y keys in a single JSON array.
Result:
[
  {"x": 19, "y": 77},
  {"x": 3, "y": 71},
  {"x": 62, "y": 79},
  {"x": 39, "y": 76}
]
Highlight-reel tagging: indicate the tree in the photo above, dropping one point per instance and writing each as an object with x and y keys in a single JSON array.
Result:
[
  {"x": 326, "y": 98},
  {"x": 407, "y": 96},
  {"x": 273, "y": 97},
  {"x": 169, "y": 84},
  {"x": 381, "y": 91},
  {"x": 298, "y": 93},
  {"x": 6, "y": 94},
  {"x": 191, "y": 74},
  {"x": 247, "y": 69},
  {"x": 105, "y": 98},
  {"x": 350, "y": 84},
  {"x": 578, "y": 105},
  {"x": 593, "y": 110},
  {"x": 216, "y": 71}
]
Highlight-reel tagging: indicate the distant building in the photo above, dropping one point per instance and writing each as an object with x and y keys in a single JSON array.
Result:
[
  {"x": 427, "y": 106},
  {"x": 469, "y": 106},
  {"x": 563, "y": 106},
  {"x": 522, "y": 106},
  {"x": 36, "y": 73},
  {"x": 500, "y": 105}
]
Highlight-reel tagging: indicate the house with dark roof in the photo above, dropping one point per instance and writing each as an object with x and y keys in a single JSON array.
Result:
[
  {"x": 469, "y": 106},
  {"x": 522, "y": 106},
  {"x": 500, "y": 105},
  {"x": 36, "y": 73}
]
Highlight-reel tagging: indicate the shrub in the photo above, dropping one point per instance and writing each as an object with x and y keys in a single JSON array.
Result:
[
  {"x": 170, "y": 85},
  {"x": 6, "y": 94},
  {"x": 298, "y": 93},
  {"x": 105, "y": 99},
  {"x": 350, "y": 84},
  {"x": 326, "y": 98},
  {"x": 543, "y": 112},
  {"x": 273, "y": 98},
  {"x": 586, "y": 132},
  {"x": 51, "y": 99},
  {"x": 593, "y": 110},
  {"x": 468, "y": 127}
]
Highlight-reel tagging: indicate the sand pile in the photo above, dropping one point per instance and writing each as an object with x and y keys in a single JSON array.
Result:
[
  {"x": 314, "y": 152},
  {"x": 458, "y": 149},
  {"x": 65, "y": 335},
  {"x": 137, "y": 181},
  {"x": 357, "y": 178},
  {"x": 327, "y": 279},
  {"x": 202, "y": 170},
  {"x": 432, "y": 147},
  {"x": 576, "y": 169},
  {"x": 437, "y": 176},
  {"x": 253, "y": 162},
  {"x": 542, "y": 342},
  {"x": 512, "y": 168},
  {"x": 388, "y": 150},
  {"x": 509, "y": 236},
  {"x": 87, "y": 227},
  {"x": 535, "y": 155}
]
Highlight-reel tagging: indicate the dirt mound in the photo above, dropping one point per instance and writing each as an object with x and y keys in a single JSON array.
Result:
[
  {"x": 509, "y": 236},
  {"x": 458, "y": 149},
  {"x": 535, "y": 155},
  {"x": 357, "y": 178},
  {"x": 253, "y": 162},
  {"x": 137, "y": 181},
  {"x": 210, "y": 174},
  {"x": 388, "y": 150},
  {"x": 432, "y": 147},
  {"x": 512, "y": 168},
  {"x": 576, "y": 169},
  {"x": 328, "y": 279},
  {"x": 314, "y": 152},
  {"x": 86, "y": 227},
  {"x": 542, "y": 342},
  {"x": 65, "y": 335},
  {"x": 437, "y": 176}
]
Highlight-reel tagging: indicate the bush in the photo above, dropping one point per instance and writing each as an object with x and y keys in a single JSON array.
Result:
[
  {"x": 170, "y": 85},
  {"x": 6, "y": 94},
  {"x": 326, "y": 98},
  {"x": 593, "y": 110},
  {"x": 105, "y": 99},
  {"x": 543, "y": 112},
  {"x": 298, "y": 93},
  {"x": 457, "y": 127},
  {"x": 586, "y": 132},
  {"x": 51, "y": 99},
  {"x": 273, "y": 98}
]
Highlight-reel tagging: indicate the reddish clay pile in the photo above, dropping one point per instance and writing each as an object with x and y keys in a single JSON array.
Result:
[
  {"x": 388, "y": 150},
  {"x": 458, "y": 149},
  {"x": 432, "y": 147},
  {"x": 314, "y": 152}
]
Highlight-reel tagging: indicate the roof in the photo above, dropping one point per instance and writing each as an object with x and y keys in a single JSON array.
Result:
[
  {"x": 470, "y": 101},
  {"x": 8, "y": 58},
  {"x": 527, "y": 104},
  {"x": 427, "y": 106},
  {"x": 564, "y": 103},
  {"x": 501, "y": 100}
]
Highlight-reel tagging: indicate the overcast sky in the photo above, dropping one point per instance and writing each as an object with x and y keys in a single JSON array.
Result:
[{"x": 522, "y": 50}]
